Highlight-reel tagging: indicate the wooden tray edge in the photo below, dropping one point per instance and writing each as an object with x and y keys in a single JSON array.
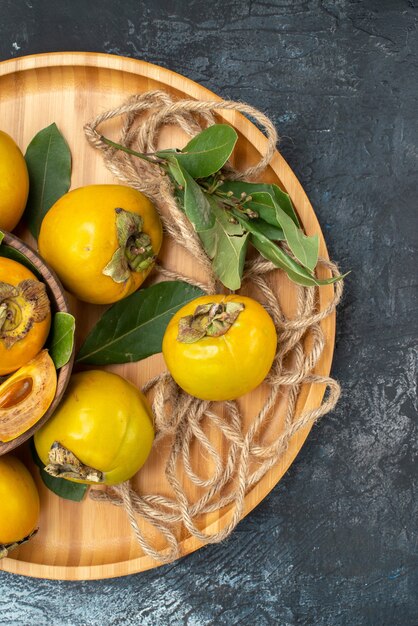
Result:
[{"x": 315, "y": 395}]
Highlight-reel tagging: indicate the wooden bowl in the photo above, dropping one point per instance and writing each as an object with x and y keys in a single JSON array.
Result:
[{"x": 59, "y": 303}]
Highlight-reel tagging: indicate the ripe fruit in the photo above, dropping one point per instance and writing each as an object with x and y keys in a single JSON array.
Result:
[
  {"x": 102, "y": 431},
  {"x": 25, "y": 316},
  {"x": 220, "y": 347},
  {"x": 26, "y": 396},
  {"x": 14, "y": 183},
  {"x": 102, "y": 240},
  {"x": 19, "y": 504}
]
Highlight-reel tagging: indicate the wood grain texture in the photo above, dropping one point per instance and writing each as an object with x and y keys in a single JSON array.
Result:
[
  {"x": 59, "y": 303},
  {"x": 91, "y": 540}
]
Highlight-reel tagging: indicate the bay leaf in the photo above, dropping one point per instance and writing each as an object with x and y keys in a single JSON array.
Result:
[
  {"x": 61, "y": 338},
  {"x": 281, "y": 260},
  {"x": 175, "y": 172},
  {"x": 269, "y": 250},
  {"x": 207, "y": 152},
  {"x": 226, "y": 245},
  {"x": 133, "y": 328},
  {"x": 48, "y": 159},
  {"x": 195, "y": 202},
  {"x": 264, "y": 204},
  {"x": 268, "y": 230},
  {"x": 303, "y": 247}
]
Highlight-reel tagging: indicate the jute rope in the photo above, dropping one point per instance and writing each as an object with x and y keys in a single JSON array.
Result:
[{"x": 178, "y": 416}]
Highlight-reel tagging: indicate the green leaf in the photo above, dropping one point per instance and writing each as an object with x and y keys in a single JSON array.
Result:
[
  {"x": 281, "y": 197},
  {"x": 226, "y": 245},
  {"x": 60, "y": 486},
  {"x": 175, "y": 172},
  {"x": 177, "y": 178},
  {"x": 48, "y": 160},
  {"x": 276, "y": 255},
  {"x": 195, "y": 201},
  {"x": 61, "y": 338},
  {"x": 281, "y": 260},
  {"x": 283, "y": 200},
  {"x": 133, "y": 328},
  {"x": 264, "y": 204},
  {"x": 268, "y": 230},
  {"x": 12, "y": 253},
  {"x": 206, "y": 153},
  {"x": 304, "y": 248}
]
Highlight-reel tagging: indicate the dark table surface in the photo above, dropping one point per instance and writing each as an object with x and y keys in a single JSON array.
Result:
[{"x": 335, "y": 543}]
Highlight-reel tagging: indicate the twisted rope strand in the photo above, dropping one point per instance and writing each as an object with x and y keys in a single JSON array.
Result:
[{"x": 180, "y": 419}]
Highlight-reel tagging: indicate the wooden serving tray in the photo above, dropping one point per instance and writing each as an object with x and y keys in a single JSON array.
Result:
[{"x": 91, "y": 540}]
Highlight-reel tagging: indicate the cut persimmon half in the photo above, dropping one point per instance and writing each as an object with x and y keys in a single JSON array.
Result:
[{"x": 26, "y": 396}]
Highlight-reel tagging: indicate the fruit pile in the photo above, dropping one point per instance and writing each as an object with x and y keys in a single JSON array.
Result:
[{"x": 103, "y": 241}]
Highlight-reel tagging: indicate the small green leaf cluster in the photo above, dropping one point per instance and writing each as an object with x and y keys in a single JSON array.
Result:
[
  {"x": 229, "y": 215},
  {"x": 48, "y": 160}
]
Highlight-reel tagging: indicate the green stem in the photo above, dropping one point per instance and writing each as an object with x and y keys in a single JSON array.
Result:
[{"x": 140, "y": 155}]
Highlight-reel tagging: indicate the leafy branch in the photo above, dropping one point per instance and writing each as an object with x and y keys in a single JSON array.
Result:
[{"x": 228, "y": 215}]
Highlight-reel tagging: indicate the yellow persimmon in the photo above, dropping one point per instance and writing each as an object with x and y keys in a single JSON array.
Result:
[
  {"x": 102, "y": 432},
  {"x": 19, "y": 504},
  {"x": 14, "y": 183},
  {"x": 102, "y": 240},
  {"x": 220, "y": 347},
  {"x": 25, "y": 316}
]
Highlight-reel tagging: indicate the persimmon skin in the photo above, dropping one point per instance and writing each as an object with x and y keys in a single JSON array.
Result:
[
  {"x": 24, "y": 350},
  {"x": 14, "y": 183},
  {"x": 225, "y": 367},
  {"x": 105, "y": 421},
  {"x": 19, "y": 501},
  {"x": 78, "y": 238}
]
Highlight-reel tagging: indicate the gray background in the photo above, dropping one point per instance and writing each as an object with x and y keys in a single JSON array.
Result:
[{"x": 336, "y": 541}]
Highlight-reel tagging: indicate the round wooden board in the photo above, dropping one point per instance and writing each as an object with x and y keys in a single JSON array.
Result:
[{"x": 91, "y": 540}]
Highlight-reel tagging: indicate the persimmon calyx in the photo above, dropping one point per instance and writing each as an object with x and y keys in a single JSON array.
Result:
[
  {"x": 135, "y": 252},
  {"x": 20, "y": 308},
  {"x": 5, "y": 548},
  {"x": 64, "y": 464},
  {"x": 209, "y": 320}
]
